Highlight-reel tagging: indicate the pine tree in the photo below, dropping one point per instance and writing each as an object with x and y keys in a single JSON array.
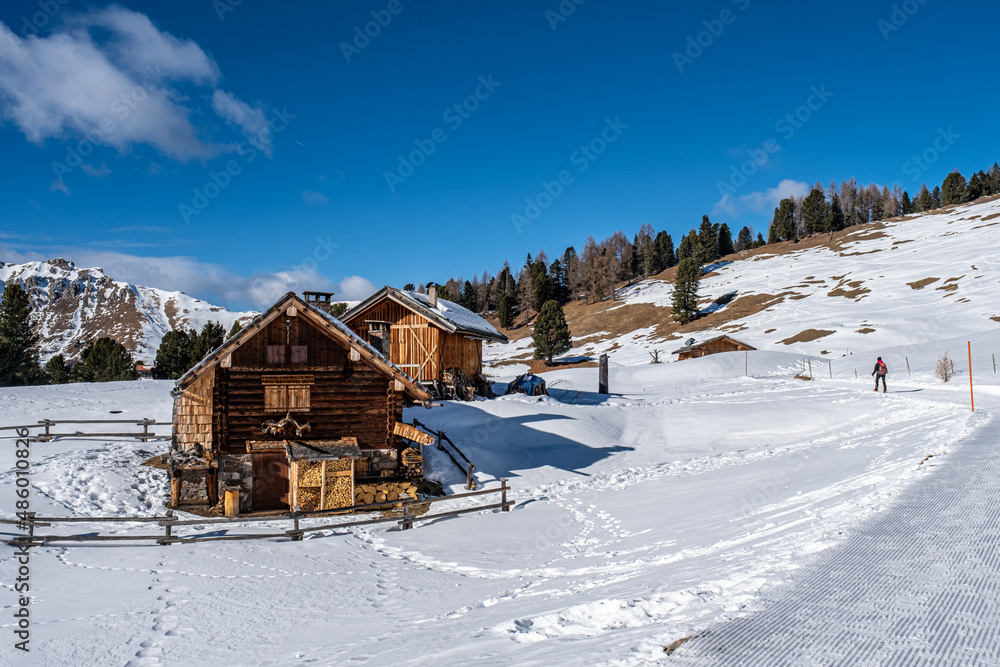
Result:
[
  {"x": 212, "y": 336},
  {"x": 815, "y": 212},
  {"x": 926, "y": 203},
  {"x": 338, "y": 309},
  {"x": 725, "y": 241},
  {"x": 685, "y": 296},
  {"x": 506, "y": 310},
  {"x": 551, "y": 335},
  {"x": 173, "y": 357},
  {"x": 760, "y": 242},
  {"x": 936, "y": 197},
  {"x": 835, "y": 215},
  {"x": 57, "y": 370},
  {"x": 105, "y": 360},
  {"x": 689, "y": 246},
  {"x": 469, "y": 297},
  {"x": 905, "y": 204},
  {"x": 783, "y": 223},
  {"x": 665, "y": 250},
  {"x": 708, "y": 242},
  {"x": 744, "y": 240},
  {"x": 235, "y": 329},
  {"x": 18, "y": 340},
  {"x": 953, "y": 189},
  {"x": 974, "y": 188}
]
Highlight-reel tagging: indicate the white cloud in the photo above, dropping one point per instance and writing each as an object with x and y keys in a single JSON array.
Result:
[
  {"x": 250, "y": 120},
  {"x": 355, "y": 288},
  {"x": 96, "y": 172},
  {"x": 110, "y": 76},
  {"x": 763, "y": 202},
  {"x": 60, "y": 186},
  {"x": 314, "y": 198}
]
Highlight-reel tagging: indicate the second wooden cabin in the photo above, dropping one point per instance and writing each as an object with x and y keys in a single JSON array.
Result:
[
  {"x": 426, "y": 336},
  {"x": 711, "y": 346}
]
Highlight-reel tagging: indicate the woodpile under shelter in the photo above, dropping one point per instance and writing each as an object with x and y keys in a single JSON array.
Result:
[
  {"x": 294, "y": 410},
  {"x": 711, "y": 346},
  {"x": 436, "y": 341}
]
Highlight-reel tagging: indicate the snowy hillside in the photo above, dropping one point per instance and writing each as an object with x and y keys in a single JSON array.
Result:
[
  {"x": 903, "y": 281},
  {"x": 73, "y": 305}
]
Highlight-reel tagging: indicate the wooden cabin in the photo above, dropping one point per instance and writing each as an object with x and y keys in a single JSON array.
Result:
[
  {"x": 711, "y": 346},
  {"x": 294, "y": 389},
  {"x": 422, "y": 334}
]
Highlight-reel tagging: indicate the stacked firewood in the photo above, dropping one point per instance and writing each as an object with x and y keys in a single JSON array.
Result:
[
  {"x": 365, "y": 494},
  {"x": 411, "y": 464}
]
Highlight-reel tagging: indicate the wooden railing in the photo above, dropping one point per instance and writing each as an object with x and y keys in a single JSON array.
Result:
[
  {"x": 468, "y": 468},
  {"x": 170, "y": 522},
  {"x": 47, "y": 424}
]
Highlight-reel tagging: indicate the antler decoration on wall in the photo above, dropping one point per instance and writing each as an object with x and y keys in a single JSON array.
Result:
[{"x": 272, "y": 427}]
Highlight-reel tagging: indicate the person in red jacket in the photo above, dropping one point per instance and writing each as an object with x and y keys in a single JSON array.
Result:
[{"x": 880, "y": 372}]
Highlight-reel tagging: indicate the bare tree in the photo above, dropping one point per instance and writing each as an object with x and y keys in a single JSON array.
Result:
[{"x": 945, "y": 368}]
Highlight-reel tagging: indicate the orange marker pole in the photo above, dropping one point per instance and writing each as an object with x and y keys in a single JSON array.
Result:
[{"x": 972, "y": 398}]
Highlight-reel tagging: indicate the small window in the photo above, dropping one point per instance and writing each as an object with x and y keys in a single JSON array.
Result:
[
  {"x": 300, "y": 354},
  {"x": 275, "y": 354}
]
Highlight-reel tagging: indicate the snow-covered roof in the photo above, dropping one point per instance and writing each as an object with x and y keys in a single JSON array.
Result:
[
  {"x": 703, "y": 343},
  {"x": 448, "y": 315}
]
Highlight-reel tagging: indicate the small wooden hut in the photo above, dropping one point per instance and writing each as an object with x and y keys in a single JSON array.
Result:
[
  {"x": 295, "y": 391},
  {"x": 425, "y": 335},
  {"x": 712, "y": 346}
]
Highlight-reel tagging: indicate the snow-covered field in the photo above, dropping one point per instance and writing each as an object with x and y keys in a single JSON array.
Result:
[
  {"x": 641, "y": 518},
  {"x": 673, "y": 505}
]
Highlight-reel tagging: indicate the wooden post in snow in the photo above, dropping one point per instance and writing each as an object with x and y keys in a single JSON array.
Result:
[
  {"x": 972, "y": 398},
  {"x": 830, "y": 363},
  {"x": 908, "y": 366},
  {"x": 602, "y": 375}
]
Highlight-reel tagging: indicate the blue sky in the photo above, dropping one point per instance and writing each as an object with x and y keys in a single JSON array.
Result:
[{"x": 239, "y": 149}]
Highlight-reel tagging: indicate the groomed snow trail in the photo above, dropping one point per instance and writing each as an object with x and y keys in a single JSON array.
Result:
[{"x": 918, "y": 584}]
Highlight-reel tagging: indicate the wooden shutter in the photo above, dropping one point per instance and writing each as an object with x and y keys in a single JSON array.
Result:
[
  {"x": 275, "y": 354},
  {"x": 275, "y": 398},
  {"x": 300, "y": 354},
  {"x": 298, "y": 398}
]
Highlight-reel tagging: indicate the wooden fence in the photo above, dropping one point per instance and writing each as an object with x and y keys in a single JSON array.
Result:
[
  {"x": 47, "y": 424},
  {"x": 468, "y": 468},
  {"x": 405, "y": 520}
]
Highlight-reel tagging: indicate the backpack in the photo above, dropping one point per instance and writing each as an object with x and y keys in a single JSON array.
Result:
[{"x": 882, "y": 370}]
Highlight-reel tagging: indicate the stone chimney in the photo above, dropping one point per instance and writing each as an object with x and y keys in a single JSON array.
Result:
[
  {"x": 432, "y": 294},
  {"x": 320, "y": 300}
]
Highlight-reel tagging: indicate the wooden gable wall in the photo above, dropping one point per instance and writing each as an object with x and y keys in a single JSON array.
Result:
[
  {"x": 345, "y": 398},
  {"x": 415, "y": 340}
]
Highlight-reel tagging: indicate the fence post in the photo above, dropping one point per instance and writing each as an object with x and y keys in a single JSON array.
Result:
[
  {"x": 470, "y": 483},
  {"x": 908, "y": 366},
  {"x": 31, "y": 526},
  {"x": 145, "y": 430},
  {"x": 440, "y": 446},
  {"x": 405, "y": 524},
  {"x": 167, "y": 530},
  {"x": 47, "y": 423},
  {"x": 503, "y": 495},
  {"x": 297, "y": 537}
]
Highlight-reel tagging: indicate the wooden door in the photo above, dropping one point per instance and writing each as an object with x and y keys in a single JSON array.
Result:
[{"x": 270, "y": 481}]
